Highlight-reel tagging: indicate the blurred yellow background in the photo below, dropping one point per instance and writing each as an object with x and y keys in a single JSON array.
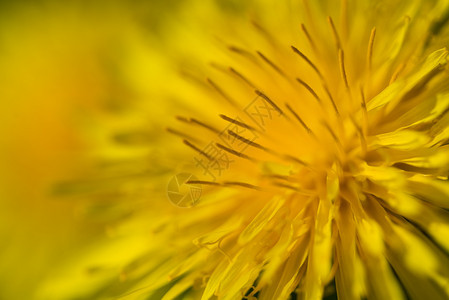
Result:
[{"x": 66, "y": 67}]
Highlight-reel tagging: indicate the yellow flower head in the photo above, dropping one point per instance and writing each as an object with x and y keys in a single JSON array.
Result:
[{"x": 306, "y": 155}]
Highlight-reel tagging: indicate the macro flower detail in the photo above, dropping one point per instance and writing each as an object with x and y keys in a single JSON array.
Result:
[{"x": 318, "y": 133}]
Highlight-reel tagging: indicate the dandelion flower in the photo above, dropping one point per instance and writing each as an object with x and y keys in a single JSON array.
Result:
[{"x": 316, "y": 132}]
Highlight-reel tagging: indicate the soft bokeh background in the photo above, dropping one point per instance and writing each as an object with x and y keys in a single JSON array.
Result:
[
  {"x": 68, "y": 71},
  {"x": 76, "y": 77}
]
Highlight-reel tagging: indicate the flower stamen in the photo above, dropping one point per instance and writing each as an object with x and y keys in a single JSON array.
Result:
[
  {"x": 334, "y": 105},
  {"x": 271, "y": 102},
  {"x": 236, "y": 122},
  {"x": 271, "y": 64},
  {"x": 334, "y": 33},
  {"x": 221, "y": 92},
  {"x": 341, "y": 60},
  {"x": 236, "y": 153},
  {"x": 299, "y": 119},
  {"x": 396, "y": 73},
  {"x": 180, "y": 134},
  {"x": 246, "y": 141},
  {"x": 369, "y": 55},
  {"x": 205, "y": 182},
  {"x": 186, "y": 142},
  {"x": 311, "y": 91},
  {"x": 239, "y": 75},
  {"x": 204, "y": 125},
  {"x": 309, "y": 38},
  {"x": 308, "y": 61},
  {"x": 242, "y": 184}
]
